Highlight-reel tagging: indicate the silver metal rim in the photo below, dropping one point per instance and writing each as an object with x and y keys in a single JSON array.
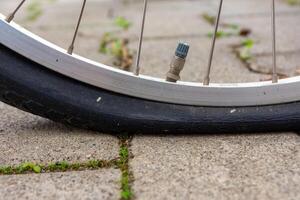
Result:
[{"x": 188, "y": 93}]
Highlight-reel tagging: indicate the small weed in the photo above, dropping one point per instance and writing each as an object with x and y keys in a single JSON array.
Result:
[
  {"x": 293, "y": 2},
  {"x": 76, "y": 166},
  {"x": 126, "y": 192},
  {"x": 127, "y": 177},
  {"x": 34, "y": 11},
  {"x": 106, "y": 39},
  {"x": 94, "y": 164},
  {"x": 245, "y": 51},
  {"x": 122, "y": 23},
  {"x": 229, "y": 29},
  {"x": 232, "y": 30},
  {"x": 118, "y": 48},
  {"x": 124, "y": 152},
  {"x": 248, "y": 43},
  {"x": 28, "y": 167},
  {"x": 220, "y": 34},
  {"x": 209, "y": 18}
]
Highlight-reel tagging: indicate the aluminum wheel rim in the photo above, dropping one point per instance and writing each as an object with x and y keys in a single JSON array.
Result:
[{"x": 55, "y": 58}]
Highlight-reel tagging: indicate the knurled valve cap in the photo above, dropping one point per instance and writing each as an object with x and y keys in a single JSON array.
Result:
[{"x": 177, "y": 62}]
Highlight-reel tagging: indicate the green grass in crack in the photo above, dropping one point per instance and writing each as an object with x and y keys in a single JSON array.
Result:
[
  {"x": 123, "y": 164},
  {"x": 59, "y": 166},
  {"x": 62, "y": 166},
  {"x": 20, "y": 169}
]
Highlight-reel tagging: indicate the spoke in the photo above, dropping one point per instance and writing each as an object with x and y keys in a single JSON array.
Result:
[
  {"x": 12, "y": 15},
  {"x": 70, "y": 50},
  {"x": 206, "y": 79},
  {"x": 274, "y": 75},
  {"x": 137, "y": 65}
]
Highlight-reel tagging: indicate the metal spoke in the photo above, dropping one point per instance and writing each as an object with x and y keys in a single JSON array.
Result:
[
  {"x": 137, "y": 65},
  {"x": 274, "y": 75},
  {"x": 206, "y": 79},
  {"x": 12, "y": 15},
  {"x": 70, "y": 49}
]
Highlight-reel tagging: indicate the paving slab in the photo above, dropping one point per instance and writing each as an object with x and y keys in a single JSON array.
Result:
[
  {"x": 255, "y": 8},
  {"x": 287, "y": 32},
  {"x": 287, "y": 63},
  {"x": 254, "y": 166},
  {"x": 89, "y": 185},
  {"x": 28, "y": 138}
]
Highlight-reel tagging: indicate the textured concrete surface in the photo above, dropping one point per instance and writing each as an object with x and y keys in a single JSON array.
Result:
[
  {"x": 255, "y": 166},
  {"x": 239, "y": 166},
  {"x": 89, "y": 185},
  {"x": 24, "y": 138}
]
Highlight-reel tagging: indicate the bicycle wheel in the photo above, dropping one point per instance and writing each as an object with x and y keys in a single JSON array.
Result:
[{"x": 41, "y": 78}]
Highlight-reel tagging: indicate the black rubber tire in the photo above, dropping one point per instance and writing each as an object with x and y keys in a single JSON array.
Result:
[{"x": 33, "y": 88}]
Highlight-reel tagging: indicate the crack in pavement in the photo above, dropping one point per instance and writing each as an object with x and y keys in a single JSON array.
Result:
[{"x": 121, "y": 163}]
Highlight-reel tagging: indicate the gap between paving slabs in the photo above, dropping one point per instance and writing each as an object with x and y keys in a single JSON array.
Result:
[{"x": 122, "y": 163}]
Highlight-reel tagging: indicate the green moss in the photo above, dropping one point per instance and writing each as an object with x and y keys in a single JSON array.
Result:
[
  {"x": 21, "y": 169},
  {"x": 6, "y": 170},
  {"x": 55, "y": 167},
  {"x": 123, "y": 163},
  {"x": 58, "y": 166},
  {"x": 124, "y": 153}
]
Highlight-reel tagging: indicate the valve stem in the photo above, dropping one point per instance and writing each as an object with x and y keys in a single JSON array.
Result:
[{"x": 177, "y": 62}]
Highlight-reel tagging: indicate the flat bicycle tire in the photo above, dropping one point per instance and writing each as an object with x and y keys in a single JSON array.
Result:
[{"x": 33, "y": 88}]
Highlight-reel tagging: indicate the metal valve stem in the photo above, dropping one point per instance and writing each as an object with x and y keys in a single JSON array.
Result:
[{"x": 177, "y": 62}]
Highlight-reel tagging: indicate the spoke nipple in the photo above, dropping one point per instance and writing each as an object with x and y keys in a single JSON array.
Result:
[
  {"x": 10, "y": 18},
  {"x": 70, "y": 50},
  {"x": 274, "y": 78},
  {"x": 206, "y": 81},
  {"x": 177, "y": 62}
]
